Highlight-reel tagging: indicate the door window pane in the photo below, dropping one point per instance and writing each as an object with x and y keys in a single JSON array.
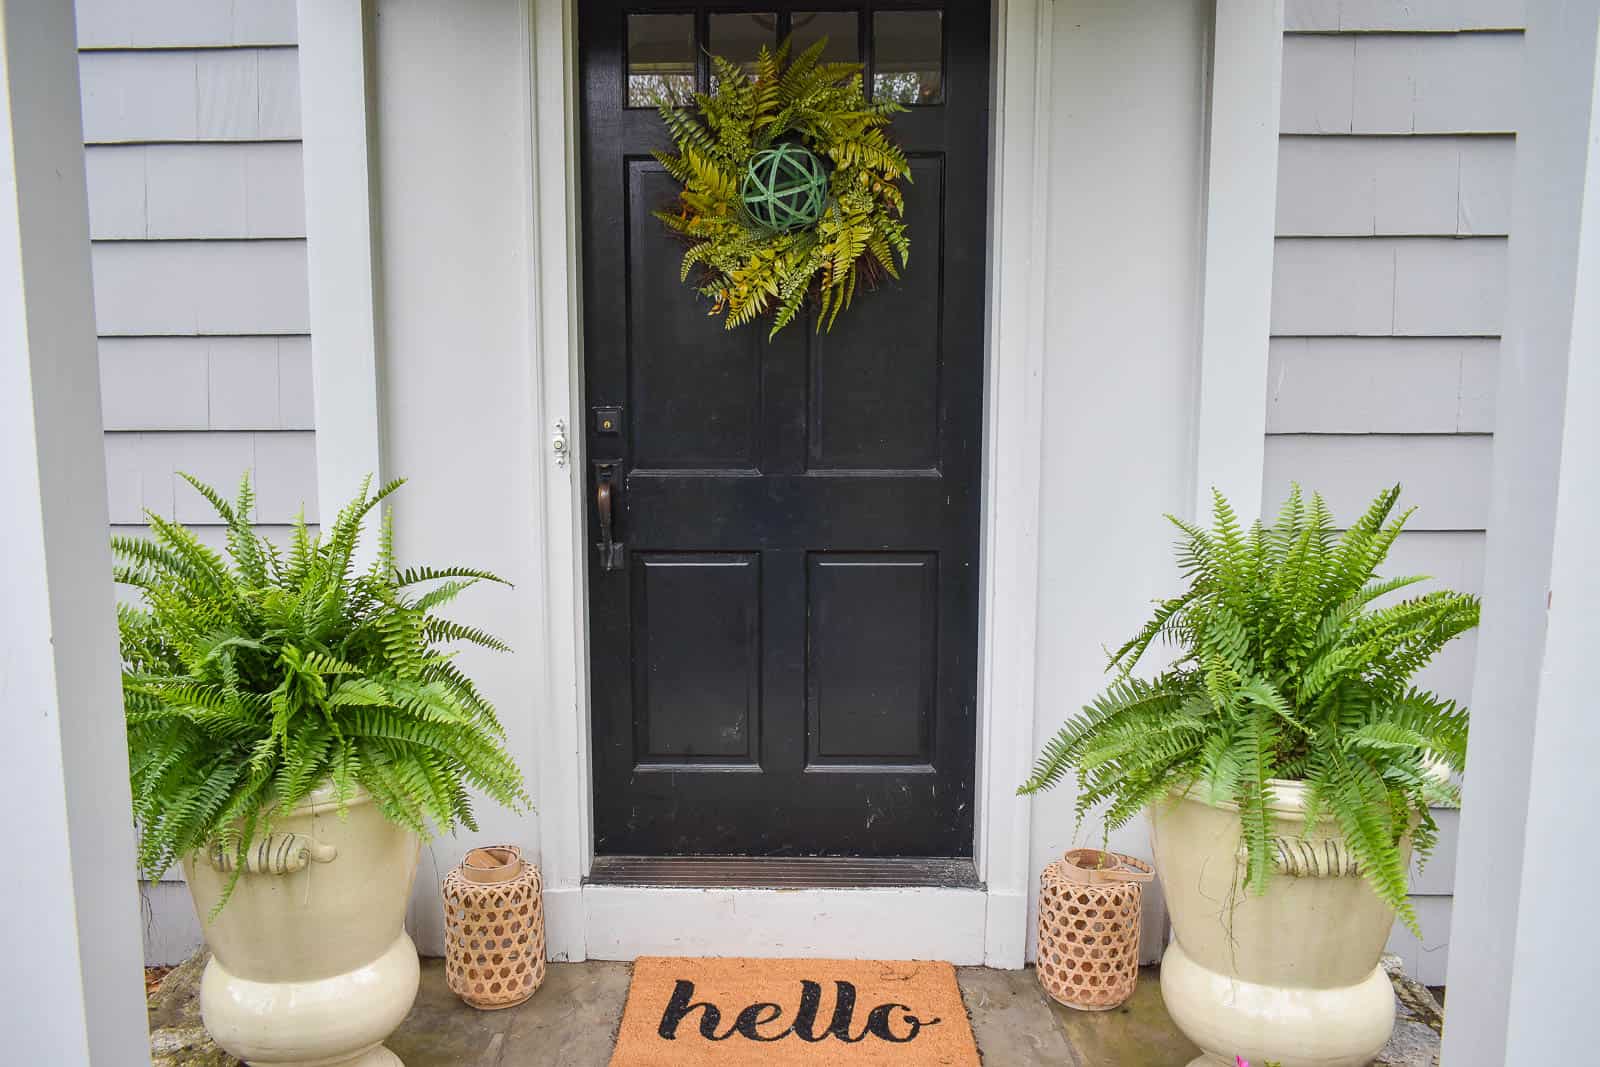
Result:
[
  {"x": 839, "y": 27},
  {"x": 908, "y": 57},
  {"x": 741, "y": 36},
  {"x": 660, "y": 60}
]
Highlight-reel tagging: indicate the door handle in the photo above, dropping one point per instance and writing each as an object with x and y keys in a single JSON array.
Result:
[{"x": 612, "y": 551}]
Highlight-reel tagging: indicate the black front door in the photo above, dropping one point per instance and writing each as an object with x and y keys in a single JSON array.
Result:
[{"x": 784, "y": 649}]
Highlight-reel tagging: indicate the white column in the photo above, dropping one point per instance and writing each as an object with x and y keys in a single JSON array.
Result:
[
  {"x": 72, "y": 991},
  {"x": 1523, "y": 940},
  {"x": 341, "y": 253},
  {"x": 1241, "y": 199}
]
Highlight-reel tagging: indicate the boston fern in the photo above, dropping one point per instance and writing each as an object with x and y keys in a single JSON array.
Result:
[
  {"x": 1285, "y": 670},
  {"x": 249, "y": 684}
]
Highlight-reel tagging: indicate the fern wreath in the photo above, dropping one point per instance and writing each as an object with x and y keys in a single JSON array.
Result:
[{"x": 790, "y": 188}]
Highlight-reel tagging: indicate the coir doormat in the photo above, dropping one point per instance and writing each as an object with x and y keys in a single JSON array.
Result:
[{"x": 688, "y": 1012}]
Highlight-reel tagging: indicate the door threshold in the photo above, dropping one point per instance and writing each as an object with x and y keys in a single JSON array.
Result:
[{"x": 784, "y": 872}]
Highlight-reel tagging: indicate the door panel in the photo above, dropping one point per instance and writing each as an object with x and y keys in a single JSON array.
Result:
[
  {"x": 872, "y": 675},
  {"x": 783, "y": 659},
  {"x": 697, "y": 688},
  {"x": 899, "y": 326},
  {"x": 706, "y": 419}
]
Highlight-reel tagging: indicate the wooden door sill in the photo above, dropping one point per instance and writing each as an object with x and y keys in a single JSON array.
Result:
[{"x": 784, "y": 872}]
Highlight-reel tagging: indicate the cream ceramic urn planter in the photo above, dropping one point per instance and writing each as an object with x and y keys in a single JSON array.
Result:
[
  {"x": 311, "y": 964},
  {"x": 1291, "y": 976}
]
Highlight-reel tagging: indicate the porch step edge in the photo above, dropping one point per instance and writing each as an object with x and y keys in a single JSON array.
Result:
[{"x": 785, "y": 872}]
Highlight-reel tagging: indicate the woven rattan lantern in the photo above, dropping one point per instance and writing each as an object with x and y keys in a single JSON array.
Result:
[
  {"x": 494, "y": 928},
  {"x": 1089, "y": 909},
  {"x": 785, "y": 187}
]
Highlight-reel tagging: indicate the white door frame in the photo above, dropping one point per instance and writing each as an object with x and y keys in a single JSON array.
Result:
[
  {"x": 969, "y": 926},
  {"x": 966, "y": 926}
]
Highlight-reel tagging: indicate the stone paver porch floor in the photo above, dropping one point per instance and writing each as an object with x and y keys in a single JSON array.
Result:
[{"x": 573, "y": 1019}]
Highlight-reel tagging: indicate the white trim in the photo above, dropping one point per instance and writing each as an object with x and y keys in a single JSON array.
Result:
[
  {"x": 1522, "y": 949},
  {"x": 335, "y": 58},
  {"x": 1013, "y": 438},
  {"x": 1553, "y": 969},
  {"x": 1236, "y": 305},
  {"x": 564, "y": 766},
  {"x": 71, "y": 910},
  {"x": 625, "y": 922}
]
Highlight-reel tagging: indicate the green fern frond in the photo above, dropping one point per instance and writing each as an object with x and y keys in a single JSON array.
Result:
[{"x": 745, "y": 270}]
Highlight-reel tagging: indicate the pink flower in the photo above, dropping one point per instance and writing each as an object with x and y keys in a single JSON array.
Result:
[{"x": 1240, "y": 1061}]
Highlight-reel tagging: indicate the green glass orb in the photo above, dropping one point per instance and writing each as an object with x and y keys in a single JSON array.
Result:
[{"x": 784, "y": 187}]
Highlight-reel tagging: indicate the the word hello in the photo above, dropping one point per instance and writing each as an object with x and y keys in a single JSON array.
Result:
[{"x": 881, "y": 1022}]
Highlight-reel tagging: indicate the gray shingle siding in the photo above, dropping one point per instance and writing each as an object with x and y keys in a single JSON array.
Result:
[
  {"x": 1376, "y": 16},
  {"x": 1366, "y": 186},
  {"x": 191, "y": 113},
  {"x": 1401, "y": 83},
  {"x": 201, "y": 94},
  {"x": 201, "y": 191},
  {"x": 1394, "y": 205},
  {"x": 184, "y": 23}
]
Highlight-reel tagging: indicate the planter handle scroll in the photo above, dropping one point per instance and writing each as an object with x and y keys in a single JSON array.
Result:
[
  {"x": 1301, "y": 858},
  {"x": 274, "y": 854}
]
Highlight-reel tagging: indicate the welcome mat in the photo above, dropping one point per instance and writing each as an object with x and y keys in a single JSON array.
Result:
[{"x": 685, "y": 1012}]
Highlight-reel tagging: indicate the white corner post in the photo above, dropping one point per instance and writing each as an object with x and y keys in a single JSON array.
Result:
[
  {"x": 1523, "y": 942},
  {"x": 1012, "y": 457},
  {"x": 1236, "y": 299},
  {"x": 336, "y": 79},
  {"x": 73, "y": 994}
]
